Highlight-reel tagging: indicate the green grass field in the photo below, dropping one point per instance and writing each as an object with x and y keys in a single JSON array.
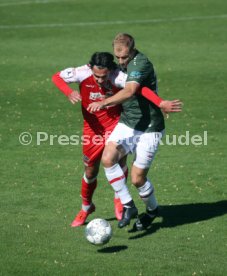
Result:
[{"x": 40, "y": 184}]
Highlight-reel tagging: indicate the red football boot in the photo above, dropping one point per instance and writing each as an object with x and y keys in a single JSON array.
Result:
[
  {"x": 118, "y": 208},
  {"x": 81, "y": 217}
]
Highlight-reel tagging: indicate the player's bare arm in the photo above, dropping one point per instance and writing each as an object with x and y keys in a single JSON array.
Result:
[
  {"x": 130, "y": 89},
  {"x": 124, "y": 94}
]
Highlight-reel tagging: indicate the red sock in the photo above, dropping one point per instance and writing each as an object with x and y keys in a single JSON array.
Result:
[{"x": 87, "y": 191}]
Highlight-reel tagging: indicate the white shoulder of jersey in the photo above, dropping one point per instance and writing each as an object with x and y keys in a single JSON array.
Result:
[
  {"x": 118, "y": 78},
  {"x": 77, "y": 74}
]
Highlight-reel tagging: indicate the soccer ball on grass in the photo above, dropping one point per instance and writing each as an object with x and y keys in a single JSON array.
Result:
[{"x": 98, "y": 231}]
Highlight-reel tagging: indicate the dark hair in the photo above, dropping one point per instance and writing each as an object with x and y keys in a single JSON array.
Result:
[{"x": 103, "y": 60}]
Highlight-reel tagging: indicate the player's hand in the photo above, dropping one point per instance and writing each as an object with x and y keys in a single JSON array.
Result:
[
  {"x": 171, "y": 106},
  {"x": 74, "y": 97},
  {"x": 96, "y": 106}
]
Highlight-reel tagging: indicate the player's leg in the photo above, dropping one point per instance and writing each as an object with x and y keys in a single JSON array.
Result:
[
  {"x": 91, "y": 157},
  {"x": 114, "y": 173},
  {"x": 146, "y": 193},
  {"x": 124, "y": 166},
  {"x": 145, "y": 153},
  {"x": 144, "y": 186},
  {"x": 113, "y": 152},
  {"x": 118, "y": 207},
  {"x": 88, "y": 186}
]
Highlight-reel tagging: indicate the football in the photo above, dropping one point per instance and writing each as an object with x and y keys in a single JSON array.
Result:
[{"x": 98, "y": 231}]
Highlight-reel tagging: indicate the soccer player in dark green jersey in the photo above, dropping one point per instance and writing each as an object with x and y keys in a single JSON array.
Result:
[{"x": 139, "y": 130}]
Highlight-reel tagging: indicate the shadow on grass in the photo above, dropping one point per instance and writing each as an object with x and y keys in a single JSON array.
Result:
[
  {"x": 112, "y": 249},
  {"x": 176, "y": 215},
  {"x": 111, "y": 219}
]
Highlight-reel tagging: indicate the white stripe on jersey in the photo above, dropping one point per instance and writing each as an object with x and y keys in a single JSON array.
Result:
[{"x": 78, "y": 74}]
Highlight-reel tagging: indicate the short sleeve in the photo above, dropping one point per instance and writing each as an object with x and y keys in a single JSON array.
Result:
[
  {"x": 138, "y": 72},
  {"x": 77, "y": 74},
  {"x": 118, "y": 78}
]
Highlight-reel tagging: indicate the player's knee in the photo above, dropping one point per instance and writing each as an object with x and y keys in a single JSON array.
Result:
[
  {"x": 90, "y": 175},
  {"x": 110, "y": 156},
  {"x": 138, "y": 176},
  {"x": 91, "y": 172},
  {"x": 137, "y": 180},
  {"x": 108, "y": 160}
]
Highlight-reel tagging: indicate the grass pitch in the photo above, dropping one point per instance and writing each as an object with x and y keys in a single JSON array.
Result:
[{"x": 40, "y": 184}]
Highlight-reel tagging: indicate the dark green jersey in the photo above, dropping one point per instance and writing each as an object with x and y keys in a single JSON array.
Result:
[{"x": 139, "y": 113}]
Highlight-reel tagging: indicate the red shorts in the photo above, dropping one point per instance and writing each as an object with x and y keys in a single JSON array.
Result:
[{"x": 94, "y": 143}]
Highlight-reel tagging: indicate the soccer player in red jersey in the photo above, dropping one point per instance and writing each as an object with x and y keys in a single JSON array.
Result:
[{"x": 97, "y": 80}]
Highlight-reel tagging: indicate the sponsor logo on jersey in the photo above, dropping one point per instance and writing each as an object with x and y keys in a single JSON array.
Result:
[
  {"x": 135, "y": 75},
  {"x": 90, "y": 85},
  {"x": 95, "y": 95}
]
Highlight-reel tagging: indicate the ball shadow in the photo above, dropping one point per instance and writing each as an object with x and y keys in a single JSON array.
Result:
[{"x": 112, "y": 249}]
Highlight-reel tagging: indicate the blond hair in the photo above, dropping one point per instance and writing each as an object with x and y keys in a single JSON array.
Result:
[{"x": 124, "y": 39}]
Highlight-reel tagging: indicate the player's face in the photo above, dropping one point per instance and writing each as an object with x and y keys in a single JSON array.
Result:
[
  {"x": 100, "y": 75},
  {"x": 123, "y": 55}
]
